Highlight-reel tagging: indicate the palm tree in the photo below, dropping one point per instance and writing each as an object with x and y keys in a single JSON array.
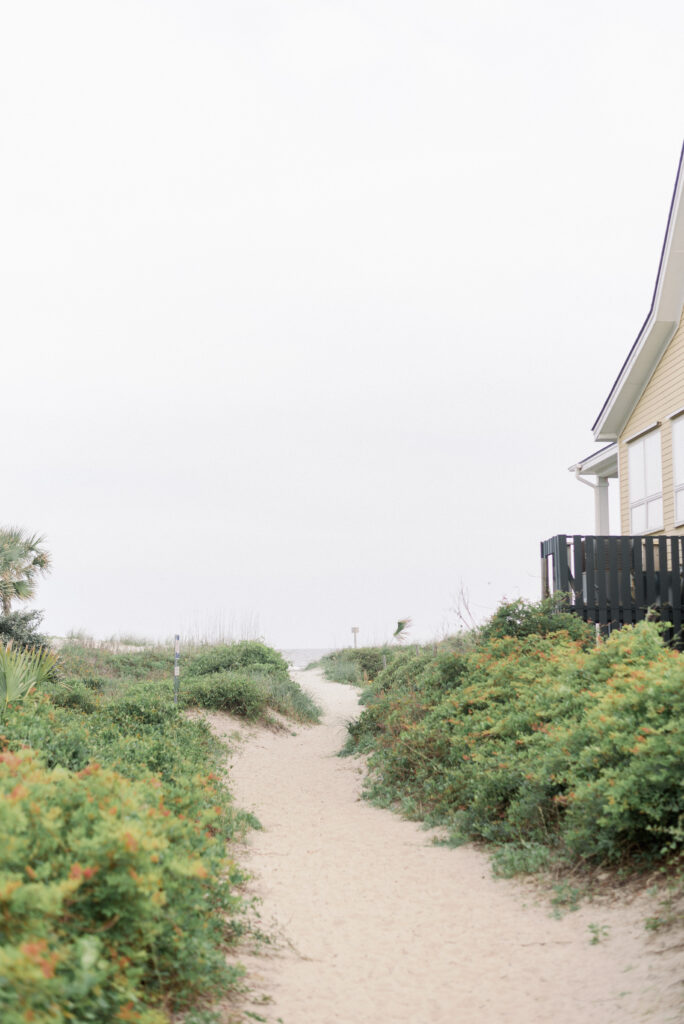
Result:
[{"x": 22, "y": 560}]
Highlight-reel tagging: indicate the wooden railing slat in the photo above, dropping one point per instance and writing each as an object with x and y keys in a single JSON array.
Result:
[
  {"x": 613, "y": 591},
  {"x": 601, "y": 581},
  {"x": 590, "y": 549},
  {"x": 639, "y": 588},
  {"x": 650, "y": 580},
  {"x": 626, "y": 579},
  {"x": 665, "y": 582},
  {"x": 616, "y": 580},
  {"x": 676, "y": 586},
  {"x": 577, "y": 569}
]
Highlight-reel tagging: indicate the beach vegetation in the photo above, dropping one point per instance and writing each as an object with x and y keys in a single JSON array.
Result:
[
  {"x": 23, "y": 630},
  {"x": 120, "y": 894},
  {"x": 356, "y": 665},
  {"x": 23, "y": 559},
  {"x": 22, "y": 671},
  {"x": 535, "y": 737}
]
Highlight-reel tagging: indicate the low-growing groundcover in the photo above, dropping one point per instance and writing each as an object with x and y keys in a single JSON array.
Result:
[
  {"x": 541, "y": 740},
  {"x": 118, "y": 900}
]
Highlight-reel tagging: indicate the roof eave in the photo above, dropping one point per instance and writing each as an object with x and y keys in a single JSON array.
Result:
[
  {"x": 602, "y": 463},
  {"x": 656, "y": 333},
  {"x": 633, "y": 379}
]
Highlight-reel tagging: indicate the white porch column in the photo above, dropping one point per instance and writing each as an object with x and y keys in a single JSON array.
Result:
[{"x": 601, "y": 514}]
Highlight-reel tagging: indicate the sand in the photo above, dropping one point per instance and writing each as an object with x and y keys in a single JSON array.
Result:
[{"x": 374, "y": 925}]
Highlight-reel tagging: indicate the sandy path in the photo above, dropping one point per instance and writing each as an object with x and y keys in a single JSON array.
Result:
[{"x": 385, "y": 928}]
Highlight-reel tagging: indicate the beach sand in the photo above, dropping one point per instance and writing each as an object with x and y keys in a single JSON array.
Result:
[{"x": 374, "y": 925}]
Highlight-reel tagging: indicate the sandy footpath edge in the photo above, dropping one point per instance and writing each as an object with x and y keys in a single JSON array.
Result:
[{"x": 377, "y": 926}]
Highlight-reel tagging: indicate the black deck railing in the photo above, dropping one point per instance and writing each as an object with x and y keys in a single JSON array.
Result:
[{"x": 613, "y": 581}]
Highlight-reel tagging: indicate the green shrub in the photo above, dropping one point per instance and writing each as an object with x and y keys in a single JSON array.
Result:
[
  {"x": 22, "y": 630},
  {"x": 356, "y": 664},
  {"x": 539, "y": 738},
  {"x": 626, "y": 780},
  {"x": 250, "y": 694},
  {"x": 74, "y": 695},
  {"x": 230, "y": 657},
  {"x": 523, "y": 618},
  {"x": 237, "y": 692},
  {"x": 104, "y": 930},
  {"x": 80, "y": 661},
  {"x": 110, "y": 900}
]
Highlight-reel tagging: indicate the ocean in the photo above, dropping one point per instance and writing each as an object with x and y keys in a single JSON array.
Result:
[{"x": 300, "y": 657}]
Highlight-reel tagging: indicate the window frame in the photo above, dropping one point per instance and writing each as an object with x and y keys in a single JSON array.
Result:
[
  {"x": 646, "y": 498},
  {"x": 677, "y": 427}
]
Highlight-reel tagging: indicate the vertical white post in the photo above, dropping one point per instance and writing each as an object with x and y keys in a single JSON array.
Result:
[{"x": 601, "y": 514}]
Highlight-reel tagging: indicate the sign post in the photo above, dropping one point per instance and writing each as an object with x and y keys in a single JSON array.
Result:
[
  {"x": 355, "y": 630},
  {"x": 176, "y": 668}
]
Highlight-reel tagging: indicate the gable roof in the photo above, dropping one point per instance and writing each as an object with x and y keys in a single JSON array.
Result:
[{"x": 660, "y": 324}]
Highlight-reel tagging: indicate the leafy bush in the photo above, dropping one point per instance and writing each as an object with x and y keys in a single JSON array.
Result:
[
  {"x": 116, "y": 897},
  {"x": 229, "y": 657},
  {"x": 237, "y": 692},
  {"x": 537, "y": 738},
  {"x": 250, "y": 694},
  {"x": 104, "y": 931},
  {"x": 524, "y": 618},
  {"x": 22, "y": 629},
  {"x": 75, "y": 695},
  {"x": 110, "y": 900}
]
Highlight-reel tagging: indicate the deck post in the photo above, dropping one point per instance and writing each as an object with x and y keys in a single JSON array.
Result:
[{"x": 601, "y": 507}]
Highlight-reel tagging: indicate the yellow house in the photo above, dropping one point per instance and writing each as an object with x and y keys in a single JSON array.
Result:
[
  {"x": 642, "y": 419},
  {"x": 616, "y": 578}
]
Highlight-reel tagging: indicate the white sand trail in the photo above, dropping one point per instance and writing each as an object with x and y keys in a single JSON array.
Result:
[{"x": 384, "y": 928}]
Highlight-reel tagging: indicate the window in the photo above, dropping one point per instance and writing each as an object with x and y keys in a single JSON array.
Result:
[
  {"x": 678, "y": 467},
  {"x": 646, "y": 485}
]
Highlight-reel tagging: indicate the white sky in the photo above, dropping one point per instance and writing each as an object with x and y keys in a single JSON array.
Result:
[{"x": 308, "y": 306}]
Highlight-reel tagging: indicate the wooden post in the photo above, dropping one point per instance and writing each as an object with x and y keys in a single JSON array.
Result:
[{"x": 176, "y": 668}]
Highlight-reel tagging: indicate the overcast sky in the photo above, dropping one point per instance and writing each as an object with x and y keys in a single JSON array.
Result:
[{"x": 308, "y": 306}]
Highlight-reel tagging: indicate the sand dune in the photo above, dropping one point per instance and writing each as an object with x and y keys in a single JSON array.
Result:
[{"x": 377, "y": 926}]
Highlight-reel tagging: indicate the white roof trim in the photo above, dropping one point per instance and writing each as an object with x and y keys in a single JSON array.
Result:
[
  {"x": 603, "y": 463},
  {"x": 660, "y": 325}
]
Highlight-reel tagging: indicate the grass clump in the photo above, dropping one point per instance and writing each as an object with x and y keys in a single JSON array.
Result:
[
  {"x": 240, "y": 693},
  {"x": 356, "y": 665},
  {"x": 230, "y": 657},
  {"x": 246, "y": 678},
  {"x": 536, "y": 740},
  {"x": 251, "y": 695}
]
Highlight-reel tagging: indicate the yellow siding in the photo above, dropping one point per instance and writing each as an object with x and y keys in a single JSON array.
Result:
[{"x": 664, "y": 395}]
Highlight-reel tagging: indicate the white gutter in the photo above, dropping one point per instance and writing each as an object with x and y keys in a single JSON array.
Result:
[{"x": 601, "y": 508}]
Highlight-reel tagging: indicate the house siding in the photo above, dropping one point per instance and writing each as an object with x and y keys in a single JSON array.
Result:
[{"x": 663, "y": 396}]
